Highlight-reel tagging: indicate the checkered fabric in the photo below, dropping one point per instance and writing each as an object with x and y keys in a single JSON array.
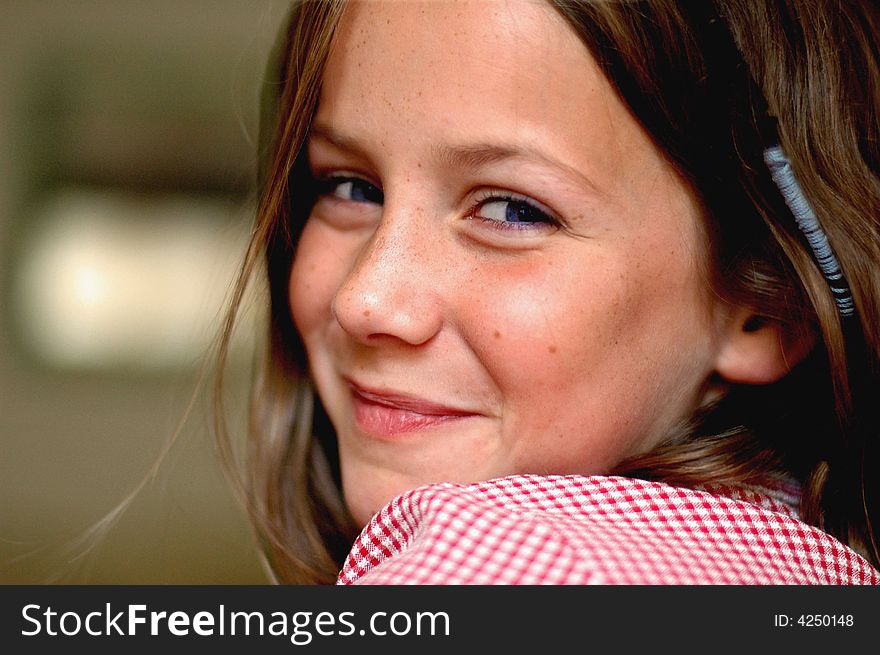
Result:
[{"x": 528, "y": 529}]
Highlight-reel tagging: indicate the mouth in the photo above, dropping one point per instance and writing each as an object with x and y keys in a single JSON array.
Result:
[{"x": 386, "y": 414}]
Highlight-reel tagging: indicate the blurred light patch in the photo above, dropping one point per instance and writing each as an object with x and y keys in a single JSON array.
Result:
[{"x": 115, "y": 280}]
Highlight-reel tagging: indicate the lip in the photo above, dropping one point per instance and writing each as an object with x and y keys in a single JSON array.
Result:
[{"x": 386, "y": 414}]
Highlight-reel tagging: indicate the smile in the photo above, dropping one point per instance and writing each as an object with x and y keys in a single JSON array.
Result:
[{"x": 388, "y": 414}]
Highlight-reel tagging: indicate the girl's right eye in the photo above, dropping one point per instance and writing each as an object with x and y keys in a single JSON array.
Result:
[{"x": 351, "y": 189}]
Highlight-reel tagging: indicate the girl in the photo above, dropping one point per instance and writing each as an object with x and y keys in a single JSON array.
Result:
[{"x": 575, "y": 291}]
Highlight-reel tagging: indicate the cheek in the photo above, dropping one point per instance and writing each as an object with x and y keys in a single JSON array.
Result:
[
  {"x": 319, "y": 267},
  {"x": 538, "y": 328},
  {"x": 547, "y": 316},
  {"x": 584, "y": 350}
]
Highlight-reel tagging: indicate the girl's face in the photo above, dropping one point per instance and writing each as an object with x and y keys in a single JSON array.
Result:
[{"x": 501, "y": 273}]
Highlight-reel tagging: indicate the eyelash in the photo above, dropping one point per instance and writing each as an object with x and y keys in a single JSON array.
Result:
[
  {"x": 490, "y": 196},
  {"x": 325, "y": 186}
]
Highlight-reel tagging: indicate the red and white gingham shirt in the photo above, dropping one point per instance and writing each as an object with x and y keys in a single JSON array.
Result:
[{"x": 529, "y": 529}]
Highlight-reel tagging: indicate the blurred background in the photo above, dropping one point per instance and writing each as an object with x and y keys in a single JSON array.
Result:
[{"x": 127, "y": 162}]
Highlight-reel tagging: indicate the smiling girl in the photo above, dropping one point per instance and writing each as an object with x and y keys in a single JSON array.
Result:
[{"x": 539, "y": 312}]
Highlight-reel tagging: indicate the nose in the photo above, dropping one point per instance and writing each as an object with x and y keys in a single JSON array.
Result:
[{"x": 391, "y": 291}]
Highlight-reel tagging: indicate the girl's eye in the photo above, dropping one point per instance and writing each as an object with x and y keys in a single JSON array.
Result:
[
  {"x": 512, "y": 213},
  {"x": 352, "y": 189}
]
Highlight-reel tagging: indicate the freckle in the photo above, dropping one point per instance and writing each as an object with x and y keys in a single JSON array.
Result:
[
  {"x": 552, "y": 349},
  {"x": 366, "y": 312},
  {"x": 496, "y": 334}
]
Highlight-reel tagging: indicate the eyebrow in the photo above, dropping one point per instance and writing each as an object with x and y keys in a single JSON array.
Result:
[
  {"x": 470, "y": 156},
  {"x": 336, "y": 139}
]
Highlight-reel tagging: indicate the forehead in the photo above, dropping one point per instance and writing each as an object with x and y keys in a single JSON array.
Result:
[
  {"x": 465, "y": 35},
  {"x": 483, "y": 71}
]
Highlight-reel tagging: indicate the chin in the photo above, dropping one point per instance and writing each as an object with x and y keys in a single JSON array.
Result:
[
  {"x": 364, "y": 499},
  {"x": 367, "y": 489}
]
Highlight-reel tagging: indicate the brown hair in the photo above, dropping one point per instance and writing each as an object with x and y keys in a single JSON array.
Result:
[{"x": 817, "y": 68}]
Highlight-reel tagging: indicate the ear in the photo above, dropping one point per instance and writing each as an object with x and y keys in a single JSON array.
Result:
[{"x": 760, "y": 350}]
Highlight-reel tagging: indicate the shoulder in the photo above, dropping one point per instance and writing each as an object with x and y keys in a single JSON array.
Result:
[{"x": 529, "y": 529}]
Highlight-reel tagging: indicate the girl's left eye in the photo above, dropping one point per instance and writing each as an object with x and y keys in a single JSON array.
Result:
[{"x": 511, "y": 213}]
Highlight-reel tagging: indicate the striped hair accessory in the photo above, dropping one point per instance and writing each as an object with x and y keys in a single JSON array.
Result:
[
  {"x": 724, "y": 53},
  {"x": 784, "y": 177}
]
